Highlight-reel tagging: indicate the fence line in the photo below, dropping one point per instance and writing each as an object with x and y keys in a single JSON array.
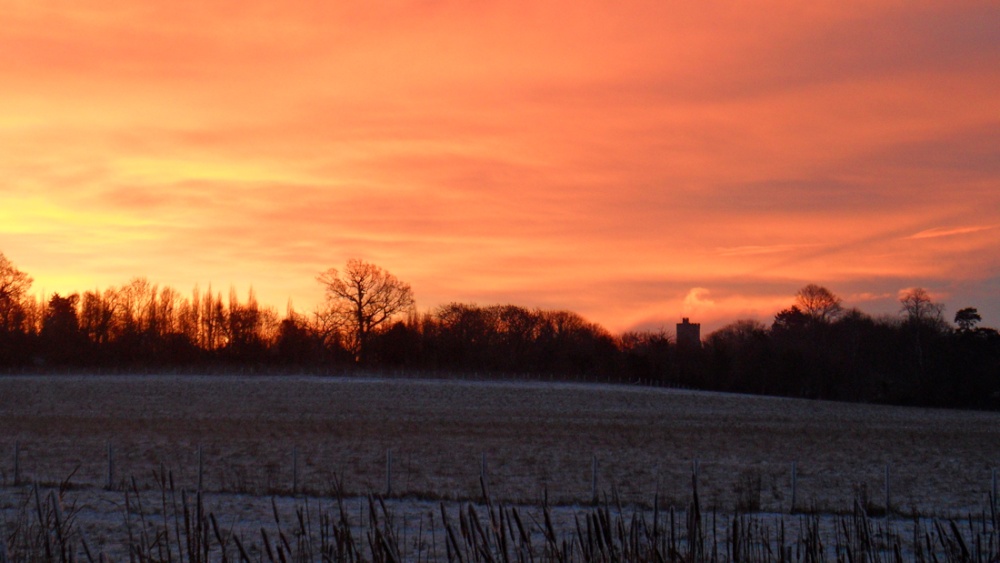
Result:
[{"x": 749, "y": 487}]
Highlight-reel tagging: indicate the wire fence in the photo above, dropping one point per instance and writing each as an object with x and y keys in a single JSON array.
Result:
[{"x": 560, "y": 477}]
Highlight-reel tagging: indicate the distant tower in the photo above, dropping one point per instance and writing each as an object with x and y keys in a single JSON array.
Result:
[{"x": 688, "y": 334}]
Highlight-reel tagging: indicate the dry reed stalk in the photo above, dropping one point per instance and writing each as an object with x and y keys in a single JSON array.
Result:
[{"x": 603, "y": 533}]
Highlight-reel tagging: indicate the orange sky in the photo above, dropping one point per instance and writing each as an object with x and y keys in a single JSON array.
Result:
[{"x": 630, "y": 161}]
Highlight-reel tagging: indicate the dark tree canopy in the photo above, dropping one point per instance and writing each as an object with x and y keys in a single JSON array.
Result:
[
  {"x": 361, "y": 299},
  {"x": 918, "y": 307},
  {"x": 818, "y": 302},
  {"x": 790, "y": 320},
  {"x": 14, "y": 285},
  {"x": 967, "y": 318},
  {"x": 812, "y": 349}
]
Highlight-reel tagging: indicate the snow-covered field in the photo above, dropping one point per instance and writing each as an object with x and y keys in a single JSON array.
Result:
[
  {"x": 156, "y": 524},
  {"x": 264, "y": 436}
]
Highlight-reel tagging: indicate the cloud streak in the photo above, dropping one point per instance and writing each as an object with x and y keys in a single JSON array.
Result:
[{"x": 938, "y": 232}]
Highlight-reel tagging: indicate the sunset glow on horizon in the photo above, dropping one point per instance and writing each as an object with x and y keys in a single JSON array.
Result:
[{"x": 634, "y": 163}]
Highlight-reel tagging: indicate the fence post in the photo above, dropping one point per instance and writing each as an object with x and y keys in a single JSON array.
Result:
[
  {"x": 201, "y": 469},
  {"x": 794, "y": 486},
  {"x": 388, "y": 473},
  {"x": 888, "y": 506},
  {"x": 482, "y": 477},
  {"x": 111, "y": 466},
  {"x": 295, "y": 471},
  {"x": 17, "y": 465},
  {"x": 593, "y": 484}
]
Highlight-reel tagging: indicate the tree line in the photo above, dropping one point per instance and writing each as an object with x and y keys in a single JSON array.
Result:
[
  {"x": 815, "y": 348},
  {"x": 818, "y": 349}
]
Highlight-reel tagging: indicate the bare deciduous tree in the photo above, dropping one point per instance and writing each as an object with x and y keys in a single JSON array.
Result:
[
  {"x": 359, "y": 300},
  {"x": 14, "y": 285},
  {"x": 918, "y": 306},
  {"x": 818, "y": 302}
]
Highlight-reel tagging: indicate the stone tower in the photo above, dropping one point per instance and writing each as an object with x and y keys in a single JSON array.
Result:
[{"x": 688, "y": 334}]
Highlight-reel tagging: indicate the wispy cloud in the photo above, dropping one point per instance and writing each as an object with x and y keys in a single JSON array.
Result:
[
  {"x": 938, "y": 232},
  {"x": 754, "y": 250},
  {"x": 583, "y": 155}
]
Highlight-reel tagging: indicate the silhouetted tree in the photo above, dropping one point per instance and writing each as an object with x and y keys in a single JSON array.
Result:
[
  {"x": 967, "y": 318},
  {"x": 818, "y": 302},
  {"x": 791, "y": 320},
  {"x": 397, "y": 346},
  {"x": 62, "y": 341},
  {"x": 14, "y": 285},
  {"x": 95, "y": 317},
  {"x": 298, "y": 343},
  {"x": 571, "y": 345},
  {"x": 137, "y": 310},
  {"x": 32, "y": 315},
  {"x": 187, "y": 316},
  {"x": 61, "y": 318},
  {"x": 462, "y": 337},
  {"x": 14, "y": 322},
  {"x": 360, "y": 300},
  {"x": 925, "y": 328},
  {"x": 167, "y": 308},
  {"x": 212, "y": 333},
  {"x": 973, "y": 365},
  {"x": 813, "y": 348},
  {"x": 807, "y": 346},
  {"x": 647, "y": 354},
  {"x": 739, "y": 355},
  {"x": 918, "y": 307},
  {"x": 250, "y": 328}
]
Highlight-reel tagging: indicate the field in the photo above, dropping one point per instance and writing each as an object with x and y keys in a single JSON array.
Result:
[{"x": 429, "y": 440}]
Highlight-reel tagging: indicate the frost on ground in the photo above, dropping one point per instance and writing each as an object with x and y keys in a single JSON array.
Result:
[
  {"x": 166, "y": 525},
  {"x": 259, "y": 436}
]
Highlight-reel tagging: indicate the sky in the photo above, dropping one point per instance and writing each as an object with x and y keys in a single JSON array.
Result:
[{"x": 634, "y": 162}]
